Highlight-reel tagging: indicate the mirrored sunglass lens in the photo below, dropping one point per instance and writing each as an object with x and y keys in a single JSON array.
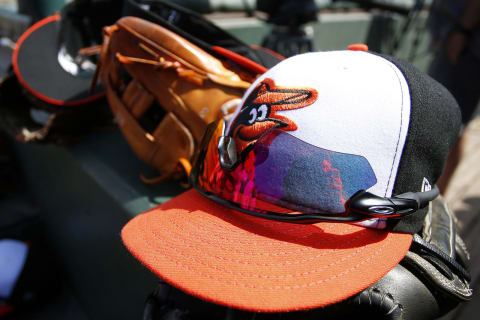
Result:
[{"x": 283, "y": 172}]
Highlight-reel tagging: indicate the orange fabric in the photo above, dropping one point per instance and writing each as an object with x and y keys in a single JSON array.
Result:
[
  {"x": 237, "y": 260},
  {"x": 273, "y": 53},
  {"x": 241, "y": 60},
  {"x": 358, "y": 47}
]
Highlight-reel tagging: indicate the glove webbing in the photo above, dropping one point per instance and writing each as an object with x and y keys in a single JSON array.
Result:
[{"x": 187, "y": 74}]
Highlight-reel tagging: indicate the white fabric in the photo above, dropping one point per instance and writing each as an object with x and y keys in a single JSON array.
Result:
[
  {"x": 13, "y": 254},
  {"x": 363, "y": 107}
]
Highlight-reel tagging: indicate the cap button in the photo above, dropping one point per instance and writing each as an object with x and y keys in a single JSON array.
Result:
[{"x": 358, "y": 47}]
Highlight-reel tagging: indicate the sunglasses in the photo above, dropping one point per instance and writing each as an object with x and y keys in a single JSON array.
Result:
[{"x": 283, "y": 178}]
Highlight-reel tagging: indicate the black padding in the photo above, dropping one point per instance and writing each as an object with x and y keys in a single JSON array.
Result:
[{"x": 434, "y": 127}]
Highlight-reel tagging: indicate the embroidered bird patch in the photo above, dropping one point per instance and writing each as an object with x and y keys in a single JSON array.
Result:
[{"x": 259, "y": 112}]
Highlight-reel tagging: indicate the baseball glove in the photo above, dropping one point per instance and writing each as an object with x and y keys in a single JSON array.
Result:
[
  {"x": 163, "y": 91},
  {"x": 203, "y": 33},
  {"x": 431, "y": 280}
]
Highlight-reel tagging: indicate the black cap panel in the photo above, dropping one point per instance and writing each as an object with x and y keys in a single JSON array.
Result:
[{"x": 434, "y": 127}]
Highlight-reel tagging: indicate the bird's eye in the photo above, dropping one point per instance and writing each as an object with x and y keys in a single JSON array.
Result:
[
  {"x": 253, "y": 113},
  {"x": 263, "y": 112}
]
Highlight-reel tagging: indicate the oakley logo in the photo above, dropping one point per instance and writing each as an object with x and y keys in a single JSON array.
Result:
[
  {"x": 382, "y": 210},
  {"x": 259, "y": 112}
]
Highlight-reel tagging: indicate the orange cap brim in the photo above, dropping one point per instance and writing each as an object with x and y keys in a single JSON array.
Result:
[{"x": 240, "y": 261}]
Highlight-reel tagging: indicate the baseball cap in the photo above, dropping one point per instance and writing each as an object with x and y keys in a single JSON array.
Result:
[
  {"x": 46, "y": 59},
  {"x": 274, "y": 222}
]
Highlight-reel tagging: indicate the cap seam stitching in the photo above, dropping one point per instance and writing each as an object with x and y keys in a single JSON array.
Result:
[
  {"x": 357, "y": 251},
  {"x": 392, "y": 66},
  {"x": 256, "y": 264},
  {"x": 235, "y": 283},
  {"x": 289, "y": 263},
  {"x": 255, "y": 275}
]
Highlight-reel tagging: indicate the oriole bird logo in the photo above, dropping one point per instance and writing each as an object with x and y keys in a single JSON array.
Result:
[{"x": 259, "y": 112}]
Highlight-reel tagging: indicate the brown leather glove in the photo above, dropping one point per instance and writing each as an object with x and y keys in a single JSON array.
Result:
[{"x": 163, "y": 91}]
